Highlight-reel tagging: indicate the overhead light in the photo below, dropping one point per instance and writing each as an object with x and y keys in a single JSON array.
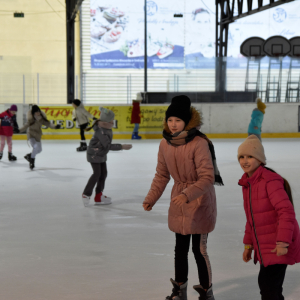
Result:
[{"x": 18, "y": 15}]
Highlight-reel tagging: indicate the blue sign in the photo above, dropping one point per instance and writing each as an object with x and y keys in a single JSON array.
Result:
[
  {"x": 279, "y": 15},
  {"x": 151, "y": 8}
]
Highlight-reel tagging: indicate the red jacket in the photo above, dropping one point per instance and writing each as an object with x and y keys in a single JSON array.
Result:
[
  {"x": 270, "y": 218},
  {"x": 8, "y": 123},
  {"x": 135, "y": 114}
]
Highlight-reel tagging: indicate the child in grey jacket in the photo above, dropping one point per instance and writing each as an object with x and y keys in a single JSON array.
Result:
[{"x": 98, "y": 148}]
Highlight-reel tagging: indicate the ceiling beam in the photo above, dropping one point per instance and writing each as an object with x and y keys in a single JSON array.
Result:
[{"x": 261, "y": 7}]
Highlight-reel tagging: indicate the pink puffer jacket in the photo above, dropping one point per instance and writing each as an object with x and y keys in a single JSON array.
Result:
[
  {"x": 270, "y": 218},
  {"x": 191, "y": 167}
]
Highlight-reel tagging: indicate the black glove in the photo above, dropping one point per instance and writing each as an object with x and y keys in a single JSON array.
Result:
[
  {"x": 95, "y": 119},
  {"x": 74, "y": 119},
  {"x": 16, "y": 130},
  {"x": 57, "y": 126}
]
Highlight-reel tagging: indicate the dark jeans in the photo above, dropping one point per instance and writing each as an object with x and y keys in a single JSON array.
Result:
[
  {"x": 82, "y": 127},
  {"x": 270, "y": 281},
  {"x": 98, "y": 177},
  {"x": 199, "y": 247}
]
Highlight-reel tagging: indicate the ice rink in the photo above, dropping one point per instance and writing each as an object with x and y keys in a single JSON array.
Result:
[{"x": 53, "y": 248}]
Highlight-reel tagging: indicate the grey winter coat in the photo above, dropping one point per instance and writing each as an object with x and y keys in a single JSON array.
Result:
[
  {"x": 35, "y": 126},
  {"x": 81, "y": 115},
  {"x": 100, "y": 144}
]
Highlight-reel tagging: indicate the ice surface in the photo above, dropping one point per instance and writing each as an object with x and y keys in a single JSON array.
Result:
[{"x": 52, "y": 248}]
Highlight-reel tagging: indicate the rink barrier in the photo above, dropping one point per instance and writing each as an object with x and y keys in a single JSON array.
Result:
[{"x": 159, "y": 136}]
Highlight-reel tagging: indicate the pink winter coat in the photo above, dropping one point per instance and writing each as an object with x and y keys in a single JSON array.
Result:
[
  {"x": 191, "y": 167},
  {"x": 270, "y": 218}
]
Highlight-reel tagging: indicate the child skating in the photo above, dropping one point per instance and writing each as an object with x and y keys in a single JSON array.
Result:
[
  {"x": 82, "y": 117},
  {"x": 136, "y": 119},
  {"x": 257, "y": 118},
  {"x": 188, "y": 156},
  {"x": 272, "y": 230},
  {"x": 8, "y": 126},
  {"x": 99, "y": 146},
  {"x": 35, "y": 120}
]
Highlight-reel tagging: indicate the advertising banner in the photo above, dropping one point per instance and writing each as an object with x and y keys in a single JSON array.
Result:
[
  {"x": 117, "y": 34},
  {"x": 151, "y": 121},
  {"x": 200, "y": 35}
]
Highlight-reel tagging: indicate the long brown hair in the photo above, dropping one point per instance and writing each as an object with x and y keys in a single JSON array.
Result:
[
  {"x": 287, "y": 186},
  {"x": 90, "y": 127}
]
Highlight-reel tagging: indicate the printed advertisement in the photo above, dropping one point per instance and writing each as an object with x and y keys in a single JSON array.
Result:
[
  {"x": 117, "y": 34},
  {"x": 200, "y": 35},
  {"x": 279, "y": 20},
  {"x": 151, "y": 122}
]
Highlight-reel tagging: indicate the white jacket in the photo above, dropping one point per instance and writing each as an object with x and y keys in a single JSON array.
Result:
[{"x": 81, "y": 115}]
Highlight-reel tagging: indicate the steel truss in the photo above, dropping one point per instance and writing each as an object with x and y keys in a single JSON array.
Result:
[{"x": 228, "y": 11}]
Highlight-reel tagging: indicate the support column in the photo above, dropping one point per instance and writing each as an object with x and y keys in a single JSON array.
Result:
[{"x": 70, "y": 52}]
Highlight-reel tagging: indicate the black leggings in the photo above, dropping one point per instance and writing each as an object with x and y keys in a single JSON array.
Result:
[
  {"x": 270, "y": 281},
  {"x": 199, "y": 242},
  {"x": 98, "y": 177},
  {"x": 82, "y": 127}
]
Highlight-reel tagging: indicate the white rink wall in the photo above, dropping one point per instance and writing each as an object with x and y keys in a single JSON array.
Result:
[
  {"x": 227, "y": 117},
  {"x": 235, "y": 117}
]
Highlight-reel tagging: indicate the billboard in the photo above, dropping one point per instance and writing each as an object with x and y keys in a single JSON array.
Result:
[
  {"x": 151, "y": 122},
  {"x": 117, "y": 32}
]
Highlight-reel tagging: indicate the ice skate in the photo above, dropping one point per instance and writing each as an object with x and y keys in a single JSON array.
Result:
[
  {"x": 85, "y": 200},
  {"x": 83, "y": 147},
  {"x": 11, "y": 157},
  {"x": 135, "y": 136},
  {"x": 31, "y": 163},
  {"x": 179, "y": 292},
  {"x": 100, "y": 199},
  {"x": 204, "y": 295},
  {"x": 28, "y": 157},
  {"x": 1, "y": 155}
]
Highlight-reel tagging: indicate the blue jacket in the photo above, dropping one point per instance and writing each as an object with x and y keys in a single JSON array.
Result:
[{"x": 257, "y": 118}]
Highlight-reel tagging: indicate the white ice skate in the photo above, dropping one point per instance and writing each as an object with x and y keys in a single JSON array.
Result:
[
  {"x": 85, "y": 200},
  {"x": 104, "y": 200}
]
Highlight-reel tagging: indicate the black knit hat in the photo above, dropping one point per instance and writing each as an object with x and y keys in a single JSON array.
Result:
[
  {"x": 76, "y": 102},
  {"x": 180, "y": 108},
  {"x": 35, "y": 109}
]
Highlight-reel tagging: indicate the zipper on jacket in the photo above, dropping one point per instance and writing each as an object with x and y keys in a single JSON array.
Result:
[{"x": 254, "y": 225}]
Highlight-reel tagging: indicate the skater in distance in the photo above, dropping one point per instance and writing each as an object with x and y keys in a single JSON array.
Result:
[
  {"x": 99, "y": 146},
  {"x": 272, "y": 230},
  {"x": 8, "y": 126},
  {"x": 188, "y": 156},
  {"x": 82, "y": 117},
  {"x": 35, "y": 120},
  {"x": 136, "y": 117},
  {"x": 257, "y": 118}
]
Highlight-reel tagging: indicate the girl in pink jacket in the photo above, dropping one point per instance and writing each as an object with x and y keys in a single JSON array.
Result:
[
  {"x": 188, "y": 156},
  {"x": 272, "y": 230}
]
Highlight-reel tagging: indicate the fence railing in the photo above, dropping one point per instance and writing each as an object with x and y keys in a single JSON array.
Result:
[
  {"x": 36, "y": 88},
  {"x": 101, "y": 86}
]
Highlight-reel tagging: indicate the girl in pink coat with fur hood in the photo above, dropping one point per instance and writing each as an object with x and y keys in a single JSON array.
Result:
[
  {"x": 272, "y": 230},
  {"x": 188, "y": 156}
]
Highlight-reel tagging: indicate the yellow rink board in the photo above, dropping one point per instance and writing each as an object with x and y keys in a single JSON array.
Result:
[
  {"x": 159, "y": 136},
  {"x": 150, "y": 127}
]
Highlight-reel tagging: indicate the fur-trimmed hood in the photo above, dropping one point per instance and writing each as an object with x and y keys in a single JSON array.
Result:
[
  {"x": 30, "y": 117},
  {"x": 196, "y": 120}
]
